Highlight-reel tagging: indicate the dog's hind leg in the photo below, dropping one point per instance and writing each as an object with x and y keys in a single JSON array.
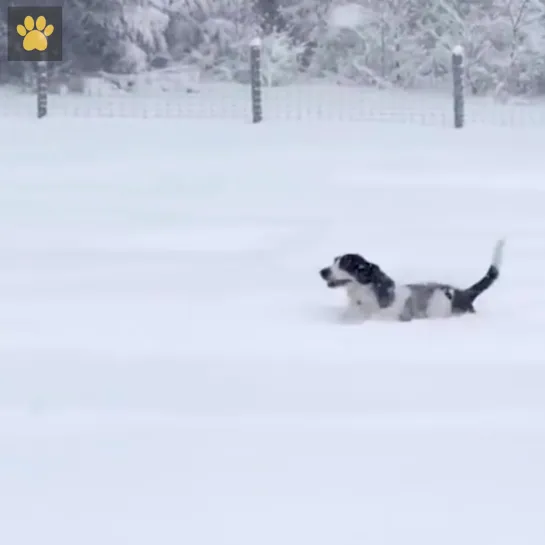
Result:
[{"x": 407, "y": 314}]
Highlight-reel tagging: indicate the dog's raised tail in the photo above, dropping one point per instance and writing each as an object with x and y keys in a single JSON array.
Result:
[{"x": 492, "y": 274}]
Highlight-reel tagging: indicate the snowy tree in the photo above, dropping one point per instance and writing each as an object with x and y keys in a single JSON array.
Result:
[
  {"x": 380, "y": 47},
  {"x": 12, "y": 72},
  {"x": 269, "y": 16},
  {"x": 449, "y": 23},
  {"x": 495, "y": 37},
  {"x": 3, "y": 49},
  {"x": 405, "y": 43},
  {"x": 520, "y": 38},
  {"x": 114, "y": 35},
  {"x": 213, "y": 35},
  {"x": 306, "y": 22}
]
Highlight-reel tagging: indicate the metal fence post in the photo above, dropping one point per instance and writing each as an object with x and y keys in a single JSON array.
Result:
[
  {"x": 42, "y": 88},
  {"x": 458, "y": 85},
  {"x": 255, "y": 80}
]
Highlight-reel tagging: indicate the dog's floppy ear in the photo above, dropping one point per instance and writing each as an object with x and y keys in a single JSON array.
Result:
[
  {"x": 385, "y": 292},
  {"x": 365, "y": 272},
  {"x": 383, "y": 286}
]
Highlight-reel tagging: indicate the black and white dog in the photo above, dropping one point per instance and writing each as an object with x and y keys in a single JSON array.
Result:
[{"x": 373, "y": 294}]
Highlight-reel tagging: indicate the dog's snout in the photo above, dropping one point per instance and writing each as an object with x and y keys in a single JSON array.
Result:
[{"x": 324, "y": 273}]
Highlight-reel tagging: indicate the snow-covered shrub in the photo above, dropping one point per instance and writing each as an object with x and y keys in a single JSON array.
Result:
[
  {"x": 130, "y": 58},
  {"x": 146, "y": 25},
  {"x": 280, "y": 57}
]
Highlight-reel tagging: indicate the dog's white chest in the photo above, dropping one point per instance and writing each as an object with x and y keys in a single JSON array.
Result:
[{"x": 363, "y": 300}]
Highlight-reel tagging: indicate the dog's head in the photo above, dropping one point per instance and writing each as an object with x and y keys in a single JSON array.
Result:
[{"x": 346, "y": 269}]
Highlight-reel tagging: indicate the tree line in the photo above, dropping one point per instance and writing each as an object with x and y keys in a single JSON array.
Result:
[{"x": 384, "y": 43}]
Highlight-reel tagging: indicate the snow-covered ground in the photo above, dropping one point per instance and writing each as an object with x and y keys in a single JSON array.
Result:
[{"x": 172, "y": 369}]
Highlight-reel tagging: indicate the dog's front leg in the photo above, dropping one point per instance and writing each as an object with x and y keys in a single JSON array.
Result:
[{"x": 355, "y": 312}]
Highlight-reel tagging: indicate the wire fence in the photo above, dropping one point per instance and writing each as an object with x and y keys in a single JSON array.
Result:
[
  {"x": 298, "y": 102},
  {"x": 167, "y": 95}
]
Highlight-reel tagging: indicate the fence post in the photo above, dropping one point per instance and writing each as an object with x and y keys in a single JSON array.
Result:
[
  {"x": 255, "y": 80},
  {"x": 42, "y": 88},
  {"x": 458, "y": 85}
]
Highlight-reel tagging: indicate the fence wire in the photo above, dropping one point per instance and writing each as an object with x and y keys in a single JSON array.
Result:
[{"x": 309, "y": 101}]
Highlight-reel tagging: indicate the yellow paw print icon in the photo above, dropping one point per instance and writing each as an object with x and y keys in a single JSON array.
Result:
[{"x": 35, "y": 38}]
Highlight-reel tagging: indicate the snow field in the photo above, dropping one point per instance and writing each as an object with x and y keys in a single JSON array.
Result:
[{"x": 173, "y": 369}]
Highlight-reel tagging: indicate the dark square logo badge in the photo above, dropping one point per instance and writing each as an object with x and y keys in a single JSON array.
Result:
[{"x": 34, "y": 33}]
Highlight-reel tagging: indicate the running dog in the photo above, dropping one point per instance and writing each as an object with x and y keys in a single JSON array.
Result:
[{"x": 375, "y": 295}]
